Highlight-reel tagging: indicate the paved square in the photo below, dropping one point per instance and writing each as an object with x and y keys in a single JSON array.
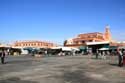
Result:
[{"x": 65, "y": 69}]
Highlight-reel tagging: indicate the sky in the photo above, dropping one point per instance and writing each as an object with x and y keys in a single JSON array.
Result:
[{"x": 57, "y": 20}]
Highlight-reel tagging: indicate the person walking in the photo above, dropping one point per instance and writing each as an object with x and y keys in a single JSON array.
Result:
[
  {"x": 120, "y": 58},
  {"x": 103, "y": 55},
  {"x": 2, "y": 57},
  {"x": 124, "y": 57},
  {"x": 97, "y": 54}
]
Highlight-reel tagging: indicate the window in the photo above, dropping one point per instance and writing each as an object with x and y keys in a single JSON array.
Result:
[
  {"x": 83, "y": 41},
  {"x": 18, "y": 44},
  {"x": 90, "y": 40},
  {"x": 88, "y": 36}
]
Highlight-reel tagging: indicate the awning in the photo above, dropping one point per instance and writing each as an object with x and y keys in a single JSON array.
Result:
[
  {"x": 56, "y": 47},
  {"x": 104, "y": 49},
  {"x": 30, "y": 49},
  {"x": 63, "y": 48},
  {"x": 66, "y": 49},
  {"x": 113, "y": 47},
  {"x": 121, "y": 47},
  {"x": 110, "y": 47},
  {"x": 96, "y": 43},
  {"x": 83, "y": 48},
  {"x": 75, "y": 49}
]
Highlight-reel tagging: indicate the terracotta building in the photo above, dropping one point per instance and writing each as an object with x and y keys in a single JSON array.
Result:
[
  {"x": 117, "y": 43},
  {"x": 33, "y": 43},
  {"x": 82, "y": 39}
]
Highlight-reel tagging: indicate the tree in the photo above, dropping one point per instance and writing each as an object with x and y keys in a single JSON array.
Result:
[{"x": 65, "y": 42}]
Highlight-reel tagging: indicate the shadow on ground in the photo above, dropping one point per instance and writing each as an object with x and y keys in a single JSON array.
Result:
[
  {"x": 16, "y": 80},
  {"x": 113, "y": 64},
  {"x": 78, "y": 77}
]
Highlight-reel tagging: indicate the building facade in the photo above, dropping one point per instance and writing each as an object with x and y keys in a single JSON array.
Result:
[
  {"x": 33, "y": 43},
  {"x": 82, "y": 39},
  {"x": 117, "y": 43}
]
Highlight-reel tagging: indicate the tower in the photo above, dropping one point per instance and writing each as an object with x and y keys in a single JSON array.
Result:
[{"x": 107, "y": 34}]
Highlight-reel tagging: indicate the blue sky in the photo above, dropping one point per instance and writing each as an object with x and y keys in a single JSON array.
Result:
[{"x": 57, "y": 20}]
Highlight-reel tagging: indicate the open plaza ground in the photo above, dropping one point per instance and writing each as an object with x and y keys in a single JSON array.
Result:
[{"x": 63, "y": 69}]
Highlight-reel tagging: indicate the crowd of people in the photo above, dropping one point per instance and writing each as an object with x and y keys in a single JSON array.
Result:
[{"x": 119, "y": 52}]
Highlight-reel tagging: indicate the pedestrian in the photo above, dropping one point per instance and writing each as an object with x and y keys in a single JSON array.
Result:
[
  {"x": 2, "y": 57},
  {"x": 124, "y": 57},
  {"x": 103, "y": 55},
  {"x": 46, "y": 54},
  {"x": 90, "y": 53},
  {"x": 97, "y": 54},
  {"x": 120, "y": 58},
  {"x": 108, "y": 53}
]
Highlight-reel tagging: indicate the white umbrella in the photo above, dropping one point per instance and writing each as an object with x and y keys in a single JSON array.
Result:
[
  {"x": 63, "y": 48},
  {"x": 75, "y": 49},
  {"x": 66, "y": 49},
  {"x": 104, "y": 49},
  {"x": 56, "y": 47}
]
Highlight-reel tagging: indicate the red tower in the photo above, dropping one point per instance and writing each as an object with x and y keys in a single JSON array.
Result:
[{"x": 107, "y": 34}]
